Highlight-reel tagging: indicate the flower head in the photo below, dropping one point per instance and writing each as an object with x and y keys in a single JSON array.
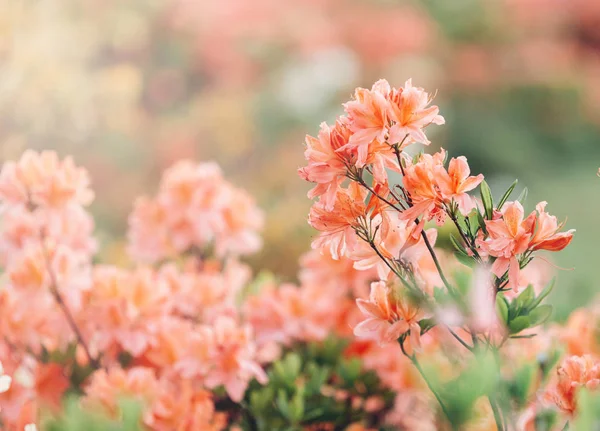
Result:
[
  {"x": 574, "y": 372},
  {"x": 388, "y": 316}
]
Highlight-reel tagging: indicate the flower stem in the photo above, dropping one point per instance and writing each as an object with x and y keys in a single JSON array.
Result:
[
  {"x": 64, "y": 307},
  {"x": 435, "y": 393},
  {"x": 497, "y": 415}
]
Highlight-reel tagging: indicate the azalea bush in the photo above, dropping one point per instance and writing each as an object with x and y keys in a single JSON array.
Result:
[{"x": 382, "y": 329}]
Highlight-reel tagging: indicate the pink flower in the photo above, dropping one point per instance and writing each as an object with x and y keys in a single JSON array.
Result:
[
  {"x": 547, "y": 235},
  {"x": 184, "y": 407},
  {"x": 411, "y": 114},
  {"x": 388, "y": 316},
  {"x": 395, "y": 239},
  {"x": 420, "y": 182},
  {"x": 337, "y": 226},
  {"x": 194, "y": 207},
  {"x": 124, "y": 308},
  {"x": 388, "y": 116},
  {"x": 574, "y": 372},
  {"x": 509, "y": 236},
  {"x": 107, "y": 387},
  {"x": 326, "y": 165},
  {"x": 43, "y": 179},
  {"x": 456, "y": 182},
  {"x": 368, "y": 115},
  {"x": 432, "y": 188},
  {"x": 233, "y": 365}
]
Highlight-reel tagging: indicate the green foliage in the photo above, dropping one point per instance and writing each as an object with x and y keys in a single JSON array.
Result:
[
  {"x": 74, "y": 418},
  {"x": 525, "y": 311},
  {"x": 480, "y": 377},
  {"x": 588, "y": 416},
  {"x": 305, "y": 388},
  {"x": 487, "y": 200},
  {"x": 507, "y": 194}
]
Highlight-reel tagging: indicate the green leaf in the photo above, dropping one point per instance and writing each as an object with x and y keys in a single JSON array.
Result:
[
  {"x": 544, "y": 293},
  {"x": 282, "y": 404},
  {"x": 487, "y": 199},
  {"x": 296, "y": 406},
  {"x": 523, "y": 196},
  {"x": 507, "y": 194},
  {"x": 502, "y": 307},
  {"x": 459, "y": 248},
  {"x": 465, "y": 260},
  {"x": 525, "y": 299},
  {"x": 518, "y": 324},
  {"x": 540, "y": 315},
  {"x": 481, "y": 222}
]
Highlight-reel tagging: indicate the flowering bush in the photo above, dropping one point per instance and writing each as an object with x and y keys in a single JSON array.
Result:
[{"x": 383, "y": 330}]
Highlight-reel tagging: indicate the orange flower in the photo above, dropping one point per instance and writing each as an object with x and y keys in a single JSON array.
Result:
[
  {"x": 509, "y": 235},
  {"x": 388, "y": 316},
  {"x": 182, "y": 407},
  {"x": 432, "y": 187},
  {"x": 456, "y": 182},
  {"x": 547, "y": 235},
  {"x": 410, "y": 112},
  {"x": 573, "y": 373},
  {"x": 43, "y": 179},
  {"x": 337, "y": 226},
  {"x": 106, "y": 388},
  {"x": 368, "y": 115},
  {"x": 326, "y": 165}
]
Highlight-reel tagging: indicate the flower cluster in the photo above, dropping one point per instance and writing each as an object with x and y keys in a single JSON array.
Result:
[
  {"x": 178, "y": 325},
  {"x": 383, "y": 327},
  {"x": 194, "y": 207},
  {"x": 421, "y": 291}
]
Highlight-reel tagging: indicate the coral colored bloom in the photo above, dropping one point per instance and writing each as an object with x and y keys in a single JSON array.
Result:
[
  {"x": 456, "y": 182},
  {"x": 388, "y": 316},
  {"x": 547, "y": 235},
  {"x": 194, "y": 207},
  {"x": 509, "y": 236},
  {"x": 368, "y": 115},
  {"x": 106, "y": 388},
  {"x": 337, "y": 226},
  {"x": 326, "y": 165},
  {"x": 183, "y": 407},
  {"x": 234, "y": 364},
  {"x": 573, "y": 373},
  {"x": 43, "y": 179},
  {"x": 411, "y": 114},
  {"x": 432, "y": 187}
]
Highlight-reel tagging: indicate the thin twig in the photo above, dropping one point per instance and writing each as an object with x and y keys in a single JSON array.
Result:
[{"x": 60, "y": 301}]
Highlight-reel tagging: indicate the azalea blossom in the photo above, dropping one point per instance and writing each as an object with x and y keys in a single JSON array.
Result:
[
  {"x": 337, "y": 227},
  {"x": 388, "y": 115},
  {"x": 547, "y": 235},
  {"x": 327, "y": 166},
  {"x": 411, "y": 113},
  {"x": 388, "y": 316},
  {"x": 433, "y": 189},
  {"x": 511, "y": 234},
  {"x": 44, "y": 179},
  {"x": 194, "y": 207},
  {"x": 574, "y": 372}
]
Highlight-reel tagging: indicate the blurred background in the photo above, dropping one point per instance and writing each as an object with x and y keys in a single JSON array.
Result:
[{"x": 128, "y": 87}]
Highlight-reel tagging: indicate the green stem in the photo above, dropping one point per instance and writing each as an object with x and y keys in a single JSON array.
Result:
[
  {"x": 437, "y": 263},
  {"x": 435, "y": 393},
  {"x": 497, "y": 415}
]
